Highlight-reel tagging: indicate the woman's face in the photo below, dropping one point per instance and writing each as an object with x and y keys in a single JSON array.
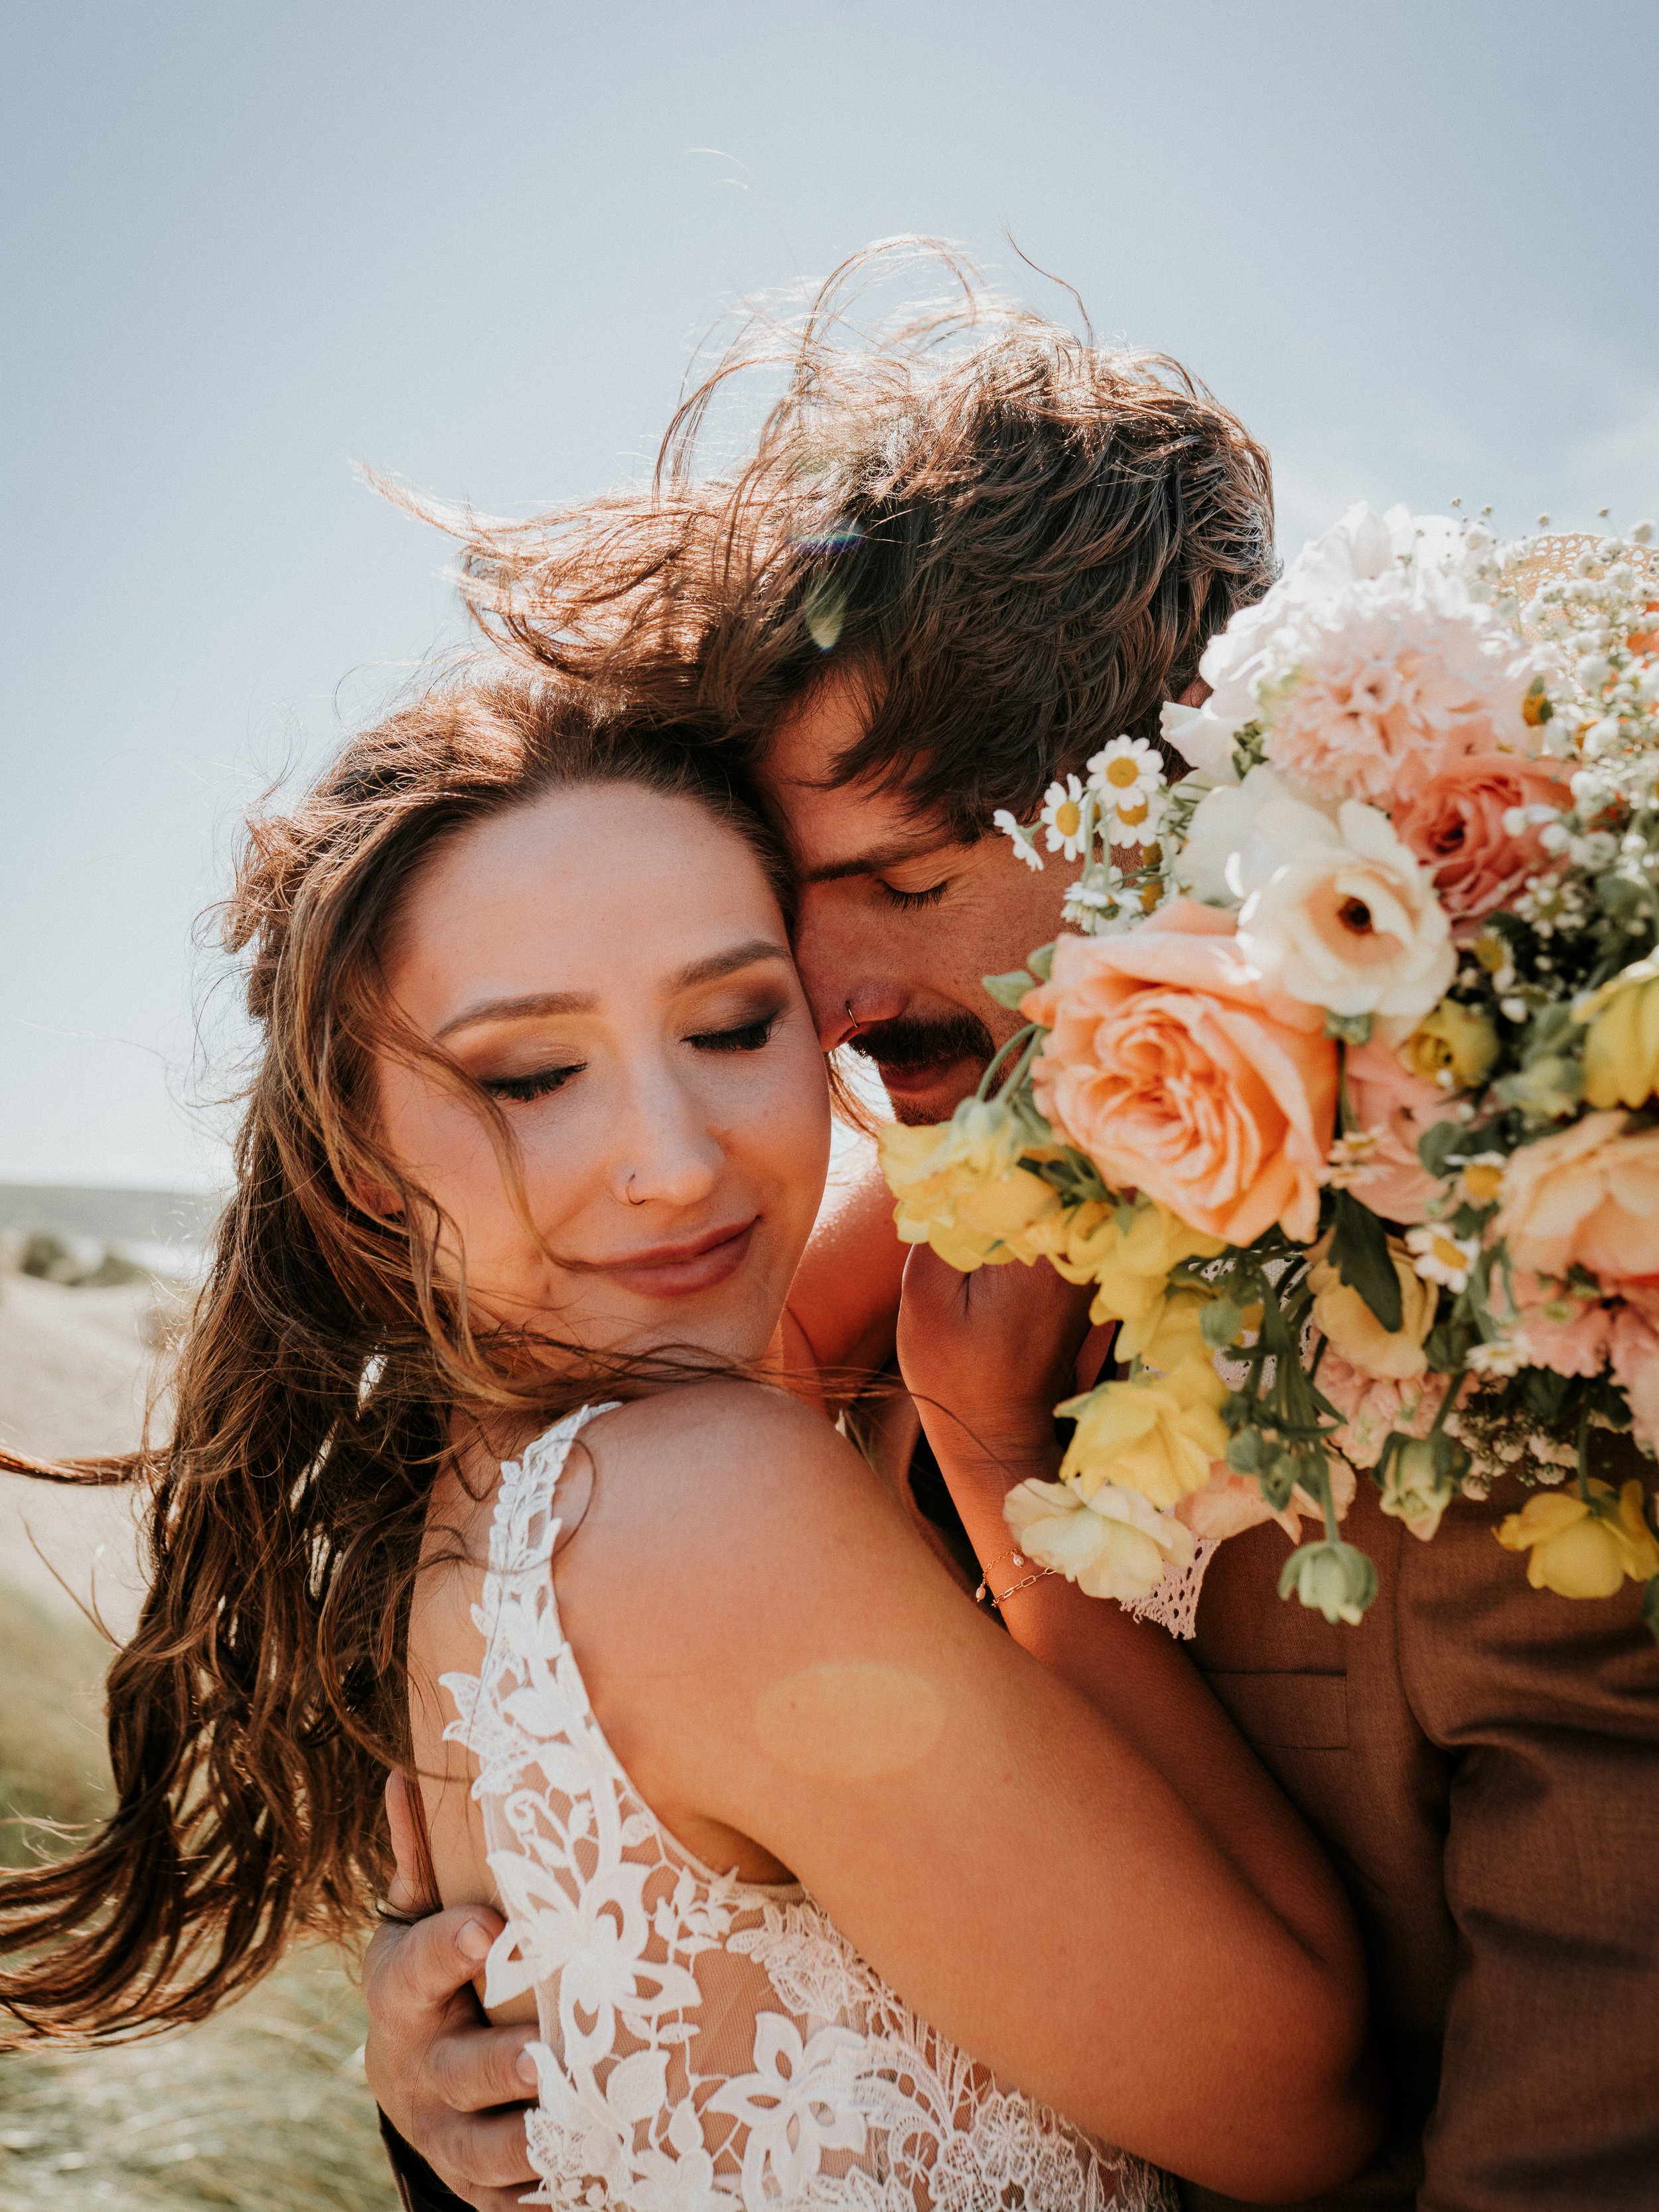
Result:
[{"x": 612, "y": 966}]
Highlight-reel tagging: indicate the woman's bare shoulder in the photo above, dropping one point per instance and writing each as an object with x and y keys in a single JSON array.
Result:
[
  {"x": 707, "y": 1450},
  {"x": 719, "y": 1494}
]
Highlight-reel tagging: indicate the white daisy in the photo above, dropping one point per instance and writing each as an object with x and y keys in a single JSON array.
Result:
[
  {"x": 1440, "y": 1257},
  {"x": 1498, "y": 1359},
  {"x": 1062, "y": 817},
  {"x": 1023, "y": 837},
  {"x": 1128, "y": 773}
]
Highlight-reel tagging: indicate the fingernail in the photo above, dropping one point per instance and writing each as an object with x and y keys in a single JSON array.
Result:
[
  {"x": 525, "y": 2067},
  {"x": 472, "y": 1940}
]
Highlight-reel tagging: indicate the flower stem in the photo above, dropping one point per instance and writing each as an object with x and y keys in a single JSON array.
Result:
[
  {"x": 1584, "y": 1453},
  {"x": 1002, "y": 1053}
]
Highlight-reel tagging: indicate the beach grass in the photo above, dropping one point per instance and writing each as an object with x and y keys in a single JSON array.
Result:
[{"x": 263, "y": 2108}]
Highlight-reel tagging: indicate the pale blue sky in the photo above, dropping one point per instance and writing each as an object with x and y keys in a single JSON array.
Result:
[{"x": 1415, "y": 245}]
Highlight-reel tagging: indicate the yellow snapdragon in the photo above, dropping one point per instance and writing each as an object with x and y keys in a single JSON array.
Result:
[
  {"x": 1621, "y": 1046},
  {"x": 1161, "y": 1438},
  {"x": 960, "y": 1188},
  {"x": 1581, "y": 1547},
  {"x": 1454, "y": 1041},
  {"x": 1129, "y": 1265}
]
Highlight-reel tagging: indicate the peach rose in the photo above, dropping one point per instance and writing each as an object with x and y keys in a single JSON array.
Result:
[
  {"x": 1395, "y": 1106},
  {"x": 1454, "y": 825},
  {"x": 1182, "y": 1078},
  {"x": 1587, "y": 1195}
]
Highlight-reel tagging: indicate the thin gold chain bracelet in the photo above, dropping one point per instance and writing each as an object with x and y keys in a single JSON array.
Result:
[{"x": 985, "y": 1595}]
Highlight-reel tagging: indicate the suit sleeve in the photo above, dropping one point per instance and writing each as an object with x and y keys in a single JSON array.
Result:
[{"x": 1549, "y": 1708}]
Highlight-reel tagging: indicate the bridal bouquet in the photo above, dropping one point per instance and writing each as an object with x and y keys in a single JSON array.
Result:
[{"x": 1344, "y": 1094}]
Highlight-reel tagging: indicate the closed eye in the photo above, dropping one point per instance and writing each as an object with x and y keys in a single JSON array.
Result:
[
  {"x": 749, "y": 1038},
  {"x": 907, "y": 901},
  {"x": 537, "y": 1083}
]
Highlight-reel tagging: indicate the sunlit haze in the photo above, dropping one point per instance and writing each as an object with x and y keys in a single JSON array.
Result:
[{"x": 1413, "y": 246}]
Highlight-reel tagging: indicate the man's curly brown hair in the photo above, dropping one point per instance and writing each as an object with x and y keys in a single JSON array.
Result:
[{"x": 1018, "y": 541}]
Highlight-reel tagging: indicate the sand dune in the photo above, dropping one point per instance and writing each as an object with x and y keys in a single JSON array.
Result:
[{"x": 74, "y": 1366}]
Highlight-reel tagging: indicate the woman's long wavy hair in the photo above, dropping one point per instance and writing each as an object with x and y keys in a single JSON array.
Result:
[{"x": 254, "y": 1710}]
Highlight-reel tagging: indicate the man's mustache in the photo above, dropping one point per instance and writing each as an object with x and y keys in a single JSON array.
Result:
[{"x": 908, "y": 1045}]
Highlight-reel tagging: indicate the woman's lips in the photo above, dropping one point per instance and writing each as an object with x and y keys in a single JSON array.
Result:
[{"x": 679, "y": 1271}]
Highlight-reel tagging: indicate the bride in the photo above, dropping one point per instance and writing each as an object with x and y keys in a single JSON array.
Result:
[{"x": 498, "y": 1457}]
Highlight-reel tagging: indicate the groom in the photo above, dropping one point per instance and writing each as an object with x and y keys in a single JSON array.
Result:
[{"x": 1027, "y": 555}]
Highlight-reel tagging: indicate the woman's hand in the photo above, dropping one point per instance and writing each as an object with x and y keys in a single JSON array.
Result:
[{"x": 987, "y": 1357}]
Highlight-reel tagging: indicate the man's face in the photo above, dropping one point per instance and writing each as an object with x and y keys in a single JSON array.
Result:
[{"x": 899, "y": 923}]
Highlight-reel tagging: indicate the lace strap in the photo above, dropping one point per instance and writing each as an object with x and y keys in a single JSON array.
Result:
[{"x": 523, "y": 1531}]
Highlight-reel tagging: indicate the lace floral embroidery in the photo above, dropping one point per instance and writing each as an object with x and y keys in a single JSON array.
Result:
[{"x": 706, "y": 2044}]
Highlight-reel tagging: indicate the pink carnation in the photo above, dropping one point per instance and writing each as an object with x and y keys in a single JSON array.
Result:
[
  {"x": 1371, "y": 1407},
  {"x": 1550, "y": 1327},
  {"x": 1454, "y": 825},
  {"x": 1389, "y": 690},
  {"x": 1635, "y": 1348},
  {"x": 1575, "y": 1345},
  {"x": 1396, "y": 1107}
]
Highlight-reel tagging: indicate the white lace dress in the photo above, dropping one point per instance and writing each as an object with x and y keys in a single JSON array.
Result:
[{"x": 707, "y": 2044}]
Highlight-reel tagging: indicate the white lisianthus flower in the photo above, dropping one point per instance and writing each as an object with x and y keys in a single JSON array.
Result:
[
  {"x": 1240, "y": 833},
  {"x": 1062, "y": 817},
  {"x": 1023, "y": 838},
  {"x": 1261, "y": 645},
  {"x": 1115, "y": 1544},
  {"x": 1347, "y": 919}
]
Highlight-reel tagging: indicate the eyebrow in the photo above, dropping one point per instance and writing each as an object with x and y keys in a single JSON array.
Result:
[
  {"x": 530, "y": 1004},
  {"x": 870, "y": 863}
]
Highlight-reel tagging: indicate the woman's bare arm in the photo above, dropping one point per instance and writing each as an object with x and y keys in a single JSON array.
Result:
[{"x": 793, "y": 1682}]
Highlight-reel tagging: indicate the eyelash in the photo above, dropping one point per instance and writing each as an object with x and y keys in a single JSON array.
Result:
[
  {"x": 908, "y": 902},
  {"x": 525, "y": 1089},
  {"x": 749, "y": 1038}
]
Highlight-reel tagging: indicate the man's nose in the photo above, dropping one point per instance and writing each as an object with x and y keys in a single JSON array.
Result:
[{"x": 846, "y": 991}]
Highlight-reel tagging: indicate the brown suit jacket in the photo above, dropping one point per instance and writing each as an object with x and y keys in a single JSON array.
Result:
[{"x": 1481, "y": 1760}]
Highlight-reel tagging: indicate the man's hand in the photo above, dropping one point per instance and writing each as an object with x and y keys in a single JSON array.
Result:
[
  {"x": 987, "y": 1357},
  {"x": 439, "y": 2071}
]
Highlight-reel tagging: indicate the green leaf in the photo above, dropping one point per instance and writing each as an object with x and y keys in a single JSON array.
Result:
[
  {"x": 1008, "y": 990},
  {"x": 824, "y": 609},
  {"x": 1359, "y": 1253},
  {"x": 1441, "y": 1142},
  {"x": 1353, "y": 1029},
  {"x": 1041, "y": 961},
  {"x": 1276, "y": 1480},
  {"x": 1244, "y": 1452}
]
